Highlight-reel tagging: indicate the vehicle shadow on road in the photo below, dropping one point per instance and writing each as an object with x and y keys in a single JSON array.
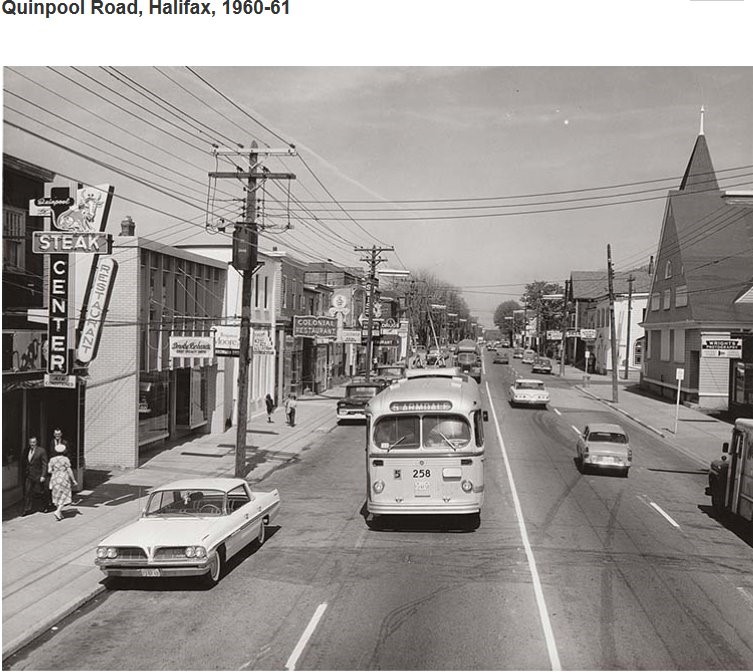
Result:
[
  {"x": 741, "y": 528},
  {"x": 419, "y": 522}
]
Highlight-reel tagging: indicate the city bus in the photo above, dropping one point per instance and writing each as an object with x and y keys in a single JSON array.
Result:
[{"x": 425, "y": 449}]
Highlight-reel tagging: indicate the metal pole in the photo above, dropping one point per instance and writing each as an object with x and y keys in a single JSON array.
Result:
[
  {"x": 629, "y": 316},
  {"x": 612, "y": 330},
  {"x": 563, "y": 343}
]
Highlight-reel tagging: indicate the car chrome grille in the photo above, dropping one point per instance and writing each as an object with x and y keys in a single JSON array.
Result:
[
  {"x": 131, "y": 553},
  {"x": 170, "y": 553}
]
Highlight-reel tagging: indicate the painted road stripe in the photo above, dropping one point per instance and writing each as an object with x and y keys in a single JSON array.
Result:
[
  {"x": 557, "y": 411},
  {"x": 551, "y": 644},
  {"x": 298, "y": 650},
  {"x": 575, "y": 429},
  {"x": 746, "y": 594},
  {"x": 664, "y": 513}
]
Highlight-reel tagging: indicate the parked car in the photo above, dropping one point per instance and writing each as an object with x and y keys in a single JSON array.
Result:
[
  {"x": 517, "y": 353},
  {"x": 541, "y": 365},
  {"x": 391, "y": 372},
  {"x": 528, "y": 392},
  {"x": 501, "y": 358},
  {"x": 528, "y": 356},
  {"x": 604, "y": 446},
  {"x": 189, "y": 528},
  {"x": 357, "y": 394}
]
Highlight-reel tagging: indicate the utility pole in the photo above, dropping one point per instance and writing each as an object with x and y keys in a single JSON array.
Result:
[
  {"x": 631, "y": 280},
  {"x": 612, "y": 330},
  {"x": 373, "y": 260},
  {"x": 564, "y": 332},
  {"x": 245, "y": 260}
]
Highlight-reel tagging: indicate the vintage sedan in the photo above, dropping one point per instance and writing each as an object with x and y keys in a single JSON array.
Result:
[
  {"x": 604, "y": 446},
  {"x": 541, "y": 365},
  {"x": 353, "y": 405},
  {"x": 528, "y": 392},
  {"x": 501, "y": 358},
  {"x": 189, "y": 528}
]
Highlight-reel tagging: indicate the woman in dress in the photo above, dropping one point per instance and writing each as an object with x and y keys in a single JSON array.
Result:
[
  {"x": 61, "y": 480},
  {"x": 270, "y": 404}
]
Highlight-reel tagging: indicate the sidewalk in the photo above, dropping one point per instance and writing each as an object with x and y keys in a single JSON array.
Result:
[
  {"x": 48, "y": 566},
  {"x": 699, "y": 436}
]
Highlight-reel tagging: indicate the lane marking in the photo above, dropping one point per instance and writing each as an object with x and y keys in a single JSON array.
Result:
[
  {"x": 575, "y": 429},
  {"x": 298, "y": 650},
  {"x": 557, "y": 411},
  {"x": 551, "y": 644},
  {"x": 748, "y": 597},
  {"x": 664, "y": 513}
]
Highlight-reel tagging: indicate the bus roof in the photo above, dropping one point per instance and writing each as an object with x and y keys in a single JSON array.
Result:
[{"x": 461, "y": 391}]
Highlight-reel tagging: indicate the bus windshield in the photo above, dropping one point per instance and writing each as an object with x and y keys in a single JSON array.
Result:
[
  {"x": 428, "y": 431},
  {"x": 467, "y": 358}
]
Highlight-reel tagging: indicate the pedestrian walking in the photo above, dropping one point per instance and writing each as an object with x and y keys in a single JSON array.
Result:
[
  {"x": 290, "y": 405},
  {"x": 270, "y": 404},
  {"x": 61, "y": 479},
  {"x": 35, "y": 462}
]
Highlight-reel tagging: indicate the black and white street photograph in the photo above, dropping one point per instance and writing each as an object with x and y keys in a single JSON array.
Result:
[{"x": 375, "y": 367}]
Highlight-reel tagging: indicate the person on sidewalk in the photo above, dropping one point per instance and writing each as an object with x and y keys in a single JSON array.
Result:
[
  {"x": 290, "y": 405},
  {"x": 35, "y": 498},
  {"x": 270, "y": 404},
  {"x": 61, "y": 479}
]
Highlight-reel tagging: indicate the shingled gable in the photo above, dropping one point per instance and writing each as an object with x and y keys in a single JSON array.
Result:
[{"x": 708, "y": 243}]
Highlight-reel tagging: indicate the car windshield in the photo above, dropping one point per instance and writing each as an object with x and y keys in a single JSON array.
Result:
[
  {"x": 186, "y": 502},
  {"x": 607, "y": 437},
  {"x": 362, "y": 391},
  {"x": 528, "y": 385}
]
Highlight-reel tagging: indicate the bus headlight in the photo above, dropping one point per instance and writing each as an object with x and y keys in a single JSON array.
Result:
[
  {"x": 467, "y": 486},
  {"x": 378, "y": 486}
]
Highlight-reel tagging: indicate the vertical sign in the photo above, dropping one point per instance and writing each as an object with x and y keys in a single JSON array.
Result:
[{"x": 57, "y": 328}]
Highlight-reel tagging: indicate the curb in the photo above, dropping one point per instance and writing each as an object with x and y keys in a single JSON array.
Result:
[
  {"x": 38, "y": 629},
  {"x": 614, "y": 406}
]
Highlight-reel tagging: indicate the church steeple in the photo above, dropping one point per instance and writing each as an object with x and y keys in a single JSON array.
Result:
[{"x": 699, "y": 174}]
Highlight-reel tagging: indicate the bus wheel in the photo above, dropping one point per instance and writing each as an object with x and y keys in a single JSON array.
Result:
[{"x": 473, "y": 521}]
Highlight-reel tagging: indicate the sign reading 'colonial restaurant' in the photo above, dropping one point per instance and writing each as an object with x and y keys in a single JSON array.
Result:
[{"x": 312, "y": 326}]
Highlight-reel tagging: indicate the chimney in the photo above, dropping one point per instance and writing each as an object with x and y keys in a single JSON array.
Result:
[
  {"x": 128, "y": 227},
  {"x": 651, "y": 266}
]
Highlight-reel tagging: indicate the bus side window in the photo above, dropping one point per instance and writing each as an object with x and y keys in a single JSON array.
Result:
[{"x": 478, "y": 427}]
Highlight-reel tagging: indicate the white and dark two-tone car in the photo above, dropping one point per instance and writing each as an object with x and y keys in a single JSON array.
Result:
[
  {"x": 528, "y": 392},
  {"x": 357, "y": 394},
  {"x": 189, "y": 528}
]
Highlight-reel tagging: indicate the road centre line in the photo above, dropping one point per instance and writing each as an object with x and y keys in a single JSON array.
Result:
[
  {"x": 746, "y": 594},
  {"x": 551, "y": 644},
  {"x": 557, "y": 411},
  {"x": 575, "y": 429},
  {"x": 664, "y": 513},
  {"x": 298, "y": 650}
]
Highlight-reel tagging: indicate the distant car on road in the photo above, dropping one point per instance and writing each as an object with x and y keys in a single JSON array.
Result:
[
  {"x": 604, "y": 446},
  {"x": 391, "y": 372},
  {"x": 528, "y": 356},
  {"x": 541, "y": 365},
  {"x": 517, "y": 353},
  {"x": 528, "y": 392},
  {"x": 357, "y": 394},
  {"x": 501, "y": 358},
  {"x": 190, "y": 527}
]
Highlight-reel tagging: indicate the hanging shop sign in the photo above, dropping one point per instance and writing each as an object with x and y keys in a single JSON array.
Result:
[
  {"x": 716, "y": 345},
  {"x": 553, "y": 335},
  {"x": 57, "y": 325},
  {"x": 60, "y": 380},
  {"x": 192, "y": 346},
  {"x": 349, "y": 336},
  {"x": 588, "y": 333},
  {"x": 262, "y": 342},
  {"x": 312, "y": 325},
  {"x": 227, "y": 340},
  {"x": 95, "y": 309}
]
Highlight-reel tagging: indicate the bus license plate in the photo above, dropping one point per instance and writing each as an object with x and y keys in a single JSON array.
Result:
[
  {"x": 150, "y": 572},
  {"x": 421, "y": 488}
]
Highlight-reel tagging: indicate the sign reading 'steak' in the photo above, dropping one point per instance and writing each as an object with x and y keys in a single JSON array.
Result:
[{"x": 53, "y": 242}]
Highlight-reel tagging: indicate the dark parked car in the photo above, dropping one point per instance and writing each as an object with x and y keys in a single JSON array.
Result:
[
  {"x": 501, "y": 358},
  {"x": 357, "y": 395}
]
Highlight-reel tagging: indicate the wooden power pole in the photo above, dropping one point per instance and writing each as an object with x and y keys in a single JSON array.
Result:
[
  {"x": 631, "y": 280},
  {"x": 612, "y": 329}
]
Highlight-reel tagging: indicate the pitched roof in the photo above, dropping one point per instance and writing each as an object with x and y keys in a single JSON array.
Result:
[{"x": 586, "y": 285}]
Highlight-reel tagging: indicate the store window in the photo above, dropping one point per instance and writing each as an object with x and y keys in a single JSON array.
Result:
[
  {"x": 154, "y": 398},
  {"x": 191, "y": 397}
]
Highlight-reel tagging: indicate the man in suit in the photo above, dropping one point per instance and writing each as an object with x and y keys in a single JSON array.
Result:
[
  {"x": 57, "y": 440},
  {"x": 35, "y": 485}
]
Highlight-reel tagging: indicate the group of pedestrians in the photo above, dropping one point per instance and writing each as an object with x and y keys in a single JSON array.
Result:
[
  {"x": 290, "y": 405},
  {"x": 49, "y": 482}
]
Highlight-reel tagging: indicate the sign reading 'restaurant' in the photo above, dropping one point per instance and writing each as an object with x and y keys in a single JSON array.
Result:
[
  {"x": 192, "y": 346},
  {"x": 311, "y": 326},
  {"x": 95, "y": 309}
]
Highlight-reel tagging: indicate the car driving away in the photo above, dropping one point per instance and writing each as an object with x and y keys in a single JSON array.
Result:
[
  {"x": 604, "y": 446},
  {"x": 190, "y": 527},
  {"x": 501, "y": 358},
  {"x": 352, "y": 406},
  {"x": 528, "y": 356},
  {"x": 541, "y": 365},
  {"x": 528, "y": 392}
]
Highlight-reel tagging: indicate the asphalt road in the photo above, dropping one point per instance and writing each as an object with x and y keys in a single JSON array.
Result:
[{"x": 567, "y": 570}]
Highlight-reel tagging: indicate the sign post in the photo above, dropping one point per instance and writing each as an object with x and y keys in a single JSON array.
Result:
[{"x": 679, "y": 376}]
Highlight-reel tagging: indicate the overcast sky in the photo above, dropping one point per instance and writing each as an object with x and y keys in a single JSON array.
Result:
[{"x": 482, "y": 149}]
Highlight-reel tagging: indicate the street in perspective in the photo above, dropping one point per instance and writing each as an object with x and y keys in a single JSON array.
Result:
[{"x": 377, "y": 368}]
